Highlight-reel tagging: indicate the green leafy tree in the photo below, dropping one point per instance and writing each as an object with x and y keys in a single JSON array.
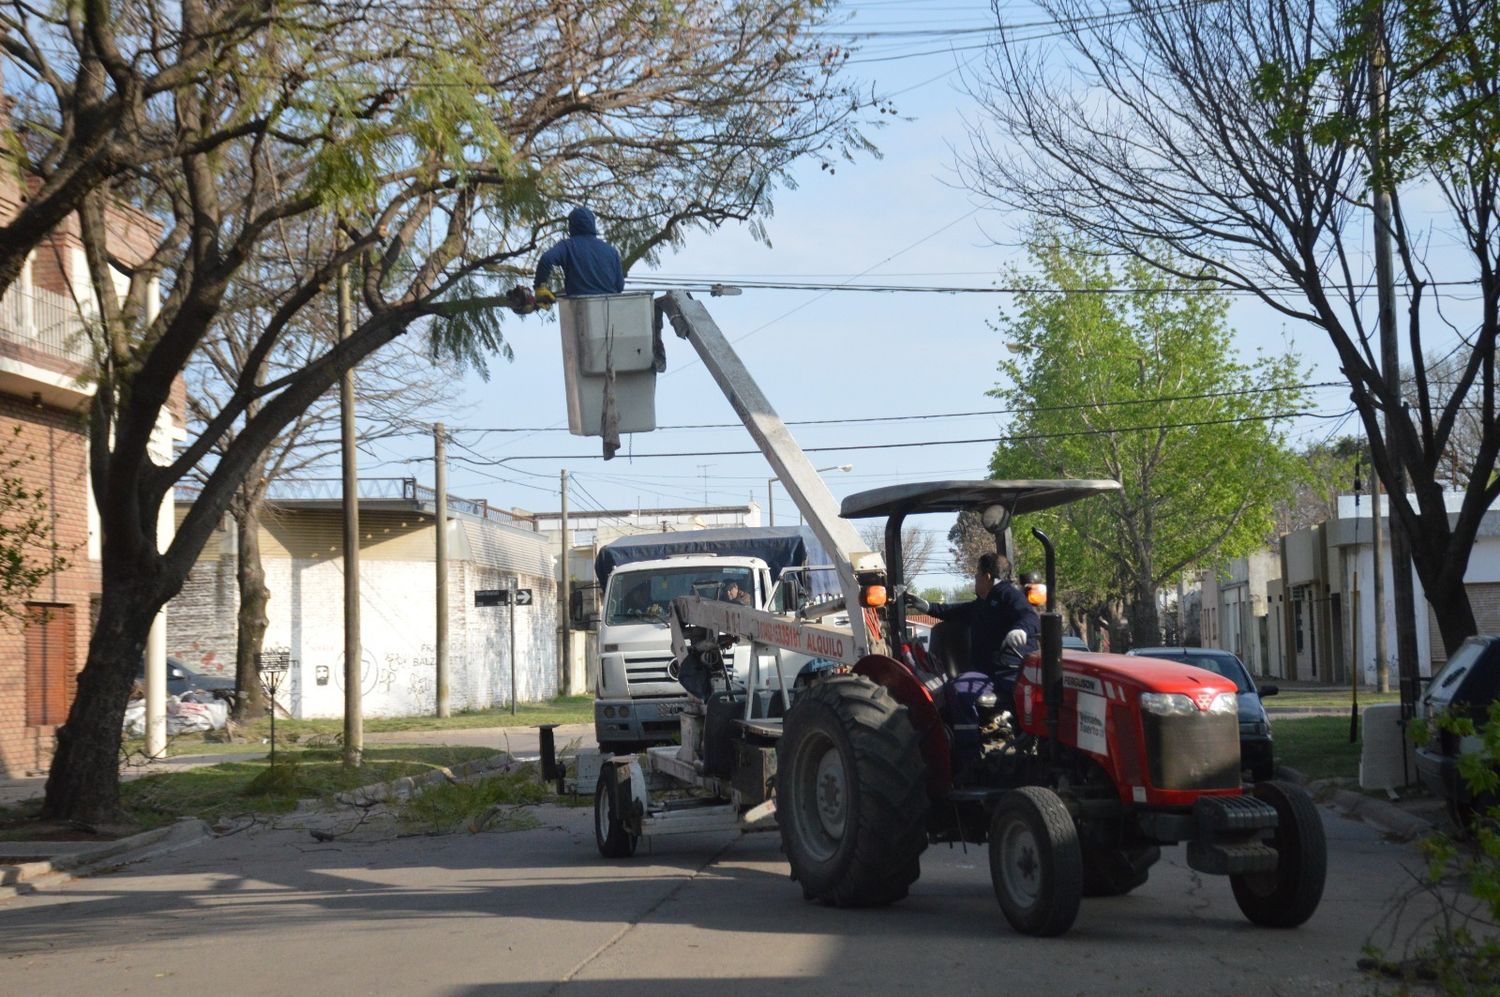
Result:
[
  {"x": 424, "y": 150},
  {"x": 1239, "y": 145},
  {"x": 1142, "y": 388}
]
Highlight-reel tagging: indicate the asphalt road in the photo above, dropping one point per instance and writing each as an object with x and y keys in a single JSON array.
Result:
[{"x": 537, "y": 912}]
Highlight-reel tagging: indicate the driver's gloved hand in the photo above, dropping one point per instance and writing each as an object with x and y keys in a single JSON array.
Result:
[{"x": 918, "y": 603}]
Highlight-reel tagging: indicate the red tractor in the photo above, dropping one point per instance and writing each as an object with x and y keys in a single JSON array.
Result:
[{"x": 1098, "y": 762}]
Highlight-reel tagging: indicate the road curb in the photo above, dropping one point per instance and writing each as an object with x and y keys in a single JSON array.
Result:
[
  {"x": 406, "y": 786},
  {"x": 24, "y": 877},
  {"x": 1386, "y": 816}
]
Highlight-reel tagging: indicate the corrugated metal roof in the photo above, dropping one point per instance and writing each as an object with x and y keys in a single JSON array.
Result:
[{"x": 492, "y": 545}]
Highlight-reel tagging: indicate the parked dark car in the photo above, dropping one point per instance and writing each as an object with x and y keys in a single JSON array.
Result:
[
  {"x": 182, "y": 679},
  {"x": 1256, "y": 753},
  {"x": 1072, "y": 643},
  {"x": 1465, "y": 687}
]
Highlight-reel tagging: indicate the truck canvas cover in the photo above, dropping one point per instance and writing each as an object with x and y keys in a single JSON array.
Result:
[{"x": 779, "y": 546}]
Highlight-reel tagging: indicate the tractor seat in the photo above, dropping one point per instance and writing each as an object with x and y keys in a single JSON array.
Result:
[{"x": 949, "y": 647}]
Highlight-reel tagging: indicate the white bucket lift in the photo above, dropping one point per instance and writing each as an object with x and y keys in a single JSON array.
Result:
[{"x": 609, "y": 359}]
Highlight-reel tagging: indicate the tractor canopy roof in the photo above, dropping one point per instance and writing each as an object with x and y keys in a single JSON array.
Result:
[{"x": 954, "y": 496}]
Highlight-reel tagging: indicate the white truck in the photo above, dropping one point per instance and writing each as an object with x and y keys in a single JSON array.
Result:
[{"x": 637, "y": 693}]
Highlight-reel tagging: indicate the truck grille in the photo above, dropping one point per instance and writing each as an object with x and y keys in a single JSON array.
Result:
[
  {"x": 1193, "y": 752},
  {"x": 647, "y": 668}
]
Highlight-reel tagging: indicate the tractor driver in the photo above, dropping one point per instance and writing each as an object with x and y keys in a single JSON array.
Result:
[{"x": 1002, "y": 629}]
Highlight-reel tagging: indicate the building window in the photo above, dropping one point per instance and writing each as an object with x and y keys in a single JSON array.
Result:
[{"x": 50, "y": 673}]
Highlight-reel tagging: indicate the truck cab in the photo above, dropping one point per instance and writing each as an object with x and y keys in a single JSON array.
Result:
[{"x": 637, "y": 699}]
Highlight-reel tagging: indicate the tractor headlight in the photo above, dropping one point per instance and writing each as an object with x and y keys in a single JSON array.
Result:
[
  {"x": 1168, "y": 704},
  {"x": 1225, "y": 702}
]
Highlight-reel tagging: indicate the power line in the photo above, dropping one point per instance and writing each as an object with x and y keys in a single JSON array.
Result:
[
  {"x": 1019, "y": 438},
  {"x": 925, "y": 416},
  {"x": 665, "y": 282}
]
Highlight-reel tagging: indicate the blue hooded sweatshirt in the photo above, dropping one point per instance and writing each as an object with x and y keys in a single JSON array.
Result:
[{"x": 589, "y": 264}]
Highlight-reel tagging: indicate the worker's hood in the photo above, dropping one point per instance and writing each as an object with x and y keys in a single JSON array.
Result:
[{"x": 581, "y": 222}]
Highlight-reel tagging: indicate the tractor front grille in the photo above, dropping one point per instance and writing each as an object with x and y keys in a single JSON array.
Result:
[{"x": 1201, "y": 751}]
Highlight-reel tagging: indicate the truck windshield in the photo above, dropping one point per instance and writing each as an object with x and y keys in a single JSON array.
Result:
[{"x": 644, "y": 595}]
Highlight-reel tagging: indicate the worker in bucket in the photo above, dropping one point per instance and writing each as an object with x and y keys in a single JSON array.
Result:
[
  {"x": 589, "y": 264},
  {"x": 1002, "y": 628}
]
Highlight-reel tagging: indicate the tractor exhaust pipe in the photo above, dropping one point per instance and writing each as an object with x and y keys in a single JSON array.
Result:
[{"x": 1052, "y": 683}]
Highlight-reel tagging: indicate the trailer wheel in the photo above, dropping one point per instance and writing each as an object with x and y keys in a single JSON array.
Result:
[
  {"x": 1035, "y": 861},
  {"x": 610, "y": 833},
  {"x": 1114, "y": 872},
  {"x": 851, "y": 796},
  {"x": 1287, "y": 896}
]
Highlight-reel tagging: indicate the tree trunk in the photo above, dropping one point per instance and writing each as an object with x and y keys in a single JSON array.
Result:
[
  {"x": 250, "y": 701},
  {"x": 1450, "y": 606},
  {"x": 84, "y": 781},
  {"x": 1145, "y": 622}
]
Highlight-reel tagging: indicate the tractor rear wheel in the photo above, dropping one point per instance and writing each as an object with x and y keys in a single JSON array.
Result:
[
  {"x": 851, "y": 794},
  {"x": 1035, "y": 862},
  {"x": 1114, "y": 872},
  {"x": 1288, "y": 895}
]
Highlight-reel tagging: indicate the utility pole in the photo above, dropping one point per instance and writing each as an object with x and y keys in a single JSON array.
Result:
[
  {"x": 566, "y": 591},
  {"x": 1382, "y": 649},
  {"x": 1401, "y": 583},
  {"x": 354, "y": 731},
  {"x": 440, "y": 487}
]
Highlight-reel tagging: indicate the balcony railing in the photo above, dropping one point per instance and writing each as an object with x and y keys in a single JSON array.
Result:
[{"x": 44, "y": 321}]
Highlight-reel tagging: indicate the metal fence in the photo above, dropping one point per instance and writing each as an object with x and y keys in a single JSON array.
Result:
[
  {"x": 45, "y": 321},
  {"x": 374, "y": 489}
]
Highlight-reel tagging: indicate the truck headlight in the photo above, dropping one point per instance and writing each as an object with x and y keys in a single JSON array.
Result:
[{"x": 1168, "y": 704}]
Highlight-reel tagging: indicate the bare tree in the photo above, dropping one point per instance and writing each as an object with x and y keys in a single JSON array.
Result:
[
  {"x": 430, "y": 149},
  {"x": 398, "y": 388},
  {"x": 1237, "y": 137},
  {"x": 916, "y": 545}
]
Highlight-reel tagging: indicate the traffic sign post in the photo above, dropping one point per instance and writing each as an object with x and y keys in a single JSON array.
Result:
[
  {"x": 515, "y": 601},
  {"x": 503, "y": 597}
]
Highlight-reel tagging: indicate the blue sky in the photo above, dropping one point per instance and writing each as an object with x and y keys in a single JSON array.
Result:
[{"x": 899, "y": 219}]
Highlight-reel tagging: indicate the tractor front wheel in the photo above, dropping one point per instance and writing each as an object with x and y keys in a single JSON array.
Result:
[
  {"x": 1035, "y": 861},
  {"x": 851, "y": 795},
  {"x": 1288, "y": 895}
]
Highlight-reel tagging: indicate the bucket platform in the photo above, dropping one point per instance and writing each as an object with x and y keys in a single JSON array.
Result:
[{"x": 609, "y": 363}]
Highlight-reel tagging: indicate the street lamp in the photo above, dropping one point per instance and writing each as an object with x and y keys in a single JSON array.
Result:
[{"x": 770, "y": 509}]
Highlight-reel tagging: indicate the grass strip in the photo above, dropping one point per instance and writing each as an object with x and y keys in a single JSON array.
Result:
[{"x": 253, "y": 786}]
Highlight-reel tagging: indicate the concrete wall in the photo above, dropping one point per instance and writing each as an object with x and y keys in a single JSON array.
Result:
[{"x": 305, "y": 575}]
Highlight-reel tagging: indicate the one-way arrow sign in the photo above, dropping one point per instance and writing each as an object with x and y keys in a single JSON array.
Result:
[{"x": 501, "y": 597}]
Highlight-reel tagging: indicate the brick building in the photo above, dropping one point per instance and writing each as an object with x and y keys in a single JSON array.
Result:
[{"x": 45, "y": 392}]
